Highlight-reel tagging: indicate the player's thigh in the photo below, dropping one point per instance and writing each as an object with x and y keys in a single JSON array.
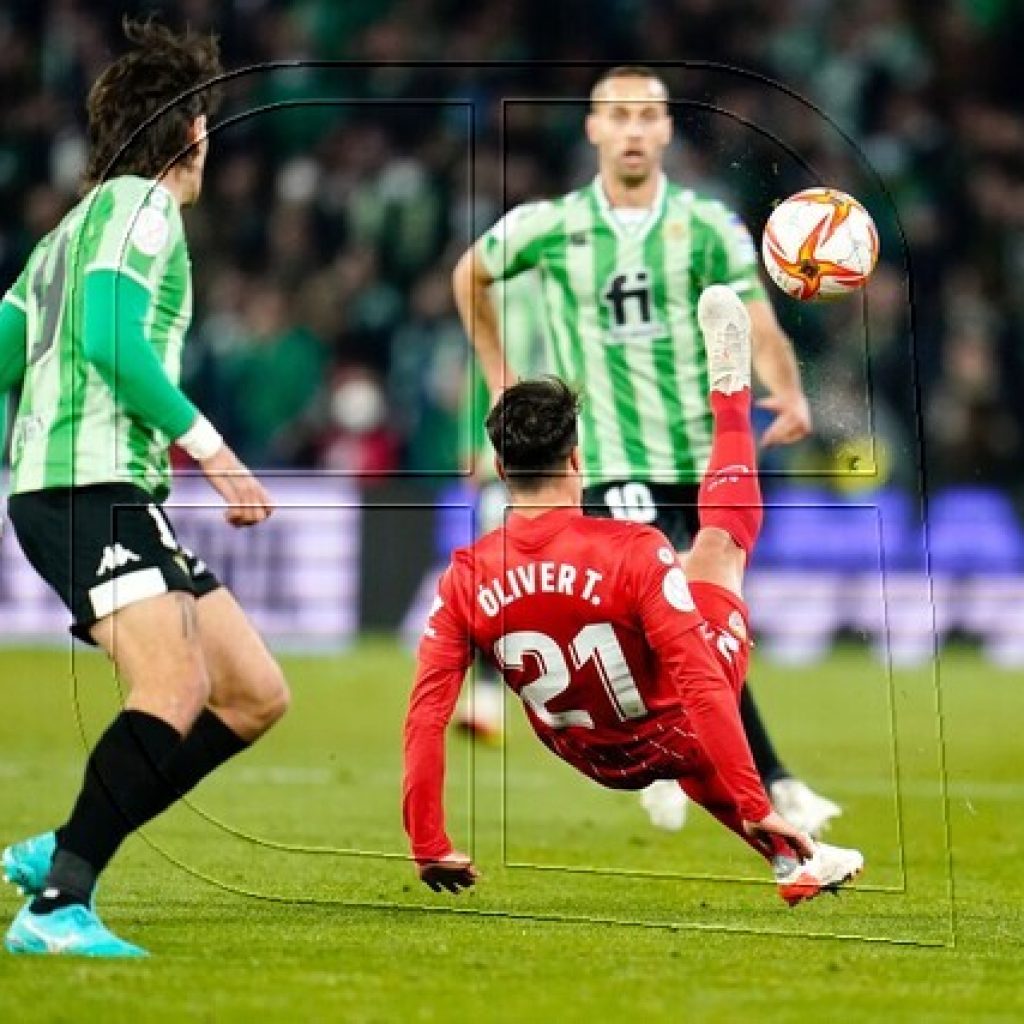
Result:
[
  {"x": 110, "y": 554},
  {"x": 156, "y": 647},
  {"x": 247, "y": 686},
  {"x": 726, "y": 628}
]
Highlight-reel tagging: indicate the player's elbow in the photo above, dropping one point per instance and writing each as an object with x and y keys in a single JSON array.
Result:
[
  {"x": 469, "y": 275},
  {"x": 462, "y": 275}
]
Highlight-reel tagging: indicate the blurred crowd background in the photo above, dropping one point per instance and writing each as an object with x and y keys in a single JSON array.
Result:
[{"x": 324, "y": 332}]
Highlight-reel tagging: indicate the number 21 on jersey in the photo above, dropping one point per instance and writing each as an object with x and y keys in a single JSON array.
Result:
[{"x": 596, "y": 642}]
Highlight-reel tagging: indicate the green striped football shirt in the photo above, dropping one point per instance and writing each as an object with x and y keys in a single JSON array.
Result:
[
  {"x": 69, "y": 429},
  {"x": 620, "y": 305}
]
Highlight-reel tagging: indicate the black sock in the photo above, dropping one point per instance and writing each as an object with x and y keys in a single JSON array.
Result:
[
  {"x": 123, "y": 788},
  {"x": 769, "y": 767},
  {"x": 207, "y": 746},
  {"x": 104, "y": 815}
]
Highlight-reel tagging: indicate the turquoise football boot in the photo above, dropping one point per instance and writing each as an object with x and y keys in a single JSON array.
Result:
[
  {"x": 26, "y": 864},
  {"x": 73, "y": 931}
]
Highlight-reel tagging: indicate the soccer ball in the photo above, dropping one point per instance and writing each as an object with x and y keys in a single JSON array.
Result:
[{"x": 819, "y": 244}]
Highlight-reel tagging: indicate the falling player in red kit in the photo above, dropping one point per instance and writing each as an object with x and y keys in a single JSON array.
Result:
[{"x": 628, "y": 669}]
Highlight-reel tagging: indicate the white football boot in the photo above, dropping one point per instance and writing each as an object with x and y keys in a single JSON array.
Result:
[
  {"x": 480, "y": 712},
  {"x": 725, "y": 324},
  {"x": 665, "y": 804},
  {"x": 802, "y": 807},
  {"x": 829, "y": 868}
]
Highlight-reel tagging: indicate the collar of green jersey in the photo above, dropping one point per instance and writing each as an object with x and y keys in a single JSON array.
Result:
[{"x": 635, "y": 231}]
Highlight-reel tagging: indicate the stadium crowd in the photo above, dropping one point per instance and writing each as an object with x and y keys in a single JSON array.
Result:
[{"x": 324, "y": 332}]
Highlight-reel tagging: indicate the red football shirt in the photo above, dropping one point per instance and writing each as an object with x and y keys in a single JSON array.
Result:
[{"x": 591, "y": 622}]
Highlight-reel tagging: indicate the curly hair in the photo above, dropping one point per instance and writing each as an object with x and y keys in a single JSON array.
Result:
[
  {"x": 533, "y": 429},
  {"x": 162, "y": 66}
]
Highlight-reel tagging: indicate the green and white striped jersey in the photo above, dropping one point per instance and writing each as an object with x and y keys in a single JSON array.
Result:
[
  {"x": 69, "y": 429},
  {"x": 620, "y": 304}
]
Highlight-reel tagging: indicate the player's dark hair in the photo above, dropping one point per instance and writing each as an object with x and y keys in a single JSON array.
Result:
[
  {"x": 626, "y": 71},
  {"x": 162, "y": 66},
  {"x": 533, "y": 429}
]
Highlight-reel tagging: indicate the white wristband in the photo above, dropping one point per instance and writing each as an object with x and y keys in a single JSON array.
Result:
[{"x": 201, "y": 440}]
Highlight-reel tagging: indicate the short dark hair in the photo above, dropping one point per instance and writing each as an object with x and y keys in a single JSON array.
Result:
[
  {"x": 534, "y": 429},
  {"x": 163, "y": 66},
  {"x": 626, "y": 71}
]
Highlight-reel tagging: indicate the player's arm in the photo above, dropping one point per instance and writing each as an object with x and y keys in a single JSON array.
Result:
[
  {"x": 443, "y": 658},
  {"x": 777, "y": 369},
  {"x": 12, "y": 345},
  {"x": 512, "y": 246},
  {"x": 669, "y": 620},
  {"x": 733, "y": 261},
  {"x": 12, "y": 351},
  {"x": 116, "y": 309},
  {"x": 471, "y": 282}
]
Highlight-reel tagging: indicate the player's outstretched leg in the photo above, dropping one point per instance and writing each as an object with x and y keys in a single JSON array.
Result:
[{"x": 736, "y": 509}]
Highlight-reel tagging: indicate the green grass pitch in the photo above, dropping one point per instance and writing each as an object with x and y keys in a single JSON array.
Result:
[{"x": 281, "y": 892}]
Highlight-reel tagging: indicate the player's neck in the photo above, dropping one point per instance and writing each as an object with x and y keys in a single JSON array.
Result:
[
  {"x": 536, "y": 503},
  {"x": 638, "y": 196},
  {"x": 176, "y": 182}
]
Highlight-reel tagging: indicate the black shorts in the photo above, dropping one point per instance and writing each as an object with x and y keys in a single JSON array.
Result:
[
  {"x": 104, "y": 547},
  {"x": 672, "y": 508}
]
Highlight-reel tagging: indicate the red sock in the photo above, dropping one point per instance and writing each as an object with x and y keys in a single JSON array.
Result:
[{"x": 730, "y": 494}]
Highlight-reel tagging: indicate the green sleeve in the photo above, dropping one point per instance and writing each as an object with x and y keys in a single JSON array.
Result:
[
  {"x": 516, "y": 242},
  {"x": 733, "y": 258},
  {"x": 12, "y": 352},
  {"x": 114, "y": 338}
]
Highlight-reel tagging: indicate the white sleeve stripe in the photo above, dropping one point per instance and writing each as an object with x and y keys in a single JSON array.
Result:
[
  {"x": 121, "y": 269},
  {"x": 15, "y": 302}
]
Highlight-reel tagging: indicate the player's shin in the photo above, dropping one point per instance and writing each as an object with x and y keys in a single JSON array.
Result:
[{"x": 730, "y": 494}]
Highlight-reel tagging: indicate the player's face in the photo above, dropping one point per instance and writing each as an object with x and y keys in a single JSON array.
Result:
[
  {"x": 630, "y": 126},
  {"x": 196, "y": 161}
]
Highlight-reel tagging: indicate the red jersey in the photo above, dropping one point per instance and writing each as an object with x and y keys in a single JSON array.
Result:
[{"x": 620, "y": 669}]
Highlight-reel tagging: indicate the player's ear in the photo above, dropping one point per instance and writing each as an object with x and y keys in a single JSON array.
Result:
[
  {"x": 574, "y": 460},
  {"x": 197, "y": 129},
  {"x": 499, "y": 469},
  {"x": 666, "y": 129},
  {"x": 593, "y": 128}
]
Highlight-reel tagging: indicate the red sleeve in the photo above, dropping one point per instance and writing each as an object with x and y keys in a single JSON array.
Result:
[
  {"x": 444, "y": 655},
  {"x": 673, "y": 628}
]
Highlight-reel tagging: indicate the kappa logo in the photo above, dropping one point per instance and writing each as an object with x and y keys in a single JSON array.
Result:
[{"x": 115, "y": 556}]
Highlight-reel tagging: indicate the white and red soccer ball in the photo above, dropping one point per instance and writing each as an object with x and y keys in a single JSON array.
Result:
[{"x": 819, "y": 244}]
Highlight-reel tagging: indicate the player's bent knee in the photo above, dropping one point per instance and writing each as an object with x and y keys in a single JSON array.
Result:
[
  {"x": 264, "y": 701},
  {"x": 278, "y": 700}
]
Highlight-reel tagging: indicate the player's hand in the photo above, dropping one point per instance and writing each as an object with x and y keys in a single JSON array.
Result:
[
  {"x": 792, "y": 420},
  {"x": 247, "y": 500},
  {"x": 453, "y": 872},
  {"x": 774, "y": 827}
]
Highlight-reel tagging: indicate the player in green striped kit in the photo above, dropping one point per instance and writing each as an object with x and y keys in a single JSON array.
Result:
[
  {"x": 622, "y": 263},
  {"x": 92, "y": 330}
]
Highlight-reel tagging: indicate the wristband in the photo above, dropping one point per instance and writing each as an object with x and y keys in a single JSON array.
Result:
[{"x": 201, "y": 440}]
